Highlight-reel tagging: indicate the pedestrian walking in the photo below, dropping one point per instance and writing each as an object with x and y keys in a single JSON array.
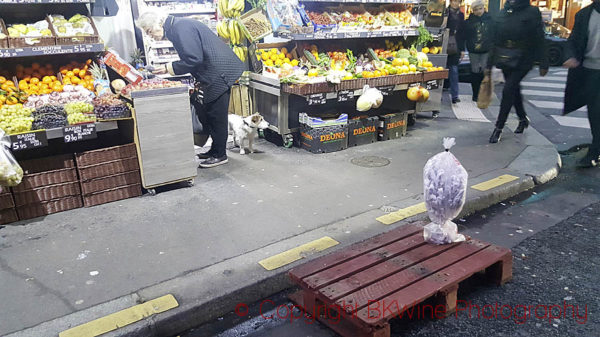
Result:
[
  {"x": 583, "y": 80},
  {"x": 478, "y": 37},
  {"x": 518, "y": 43},
  {"x": 456, "y": 45},
  {"x": 213, "y": 65}
]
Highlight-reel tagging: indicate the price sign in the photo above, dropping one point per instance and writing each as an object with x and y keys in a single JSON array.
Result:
[
  {"x": 76, "y": 133},
  {"x": 26, "y": 141},
  {"x": 431, "y": 84},
  {"x": 345, "y": 95},
  {"x": 387, "y": 90},
  {"x": 316, "y": 99},
  {"x": 414, "y": 85}
]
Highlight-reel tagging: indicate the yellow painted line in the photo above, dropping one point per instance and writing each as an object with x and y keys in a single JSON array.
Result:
[
  {"x": 492, "y": 183},
  {"x": 297, "y": 253},
  {"x": 402, "y": 214},
  {"x": 122, "y": 318}
]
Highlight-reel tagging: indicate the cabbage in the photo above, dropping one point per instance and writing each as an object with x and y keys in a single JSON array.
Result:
[
  {"x": 422, "y": 57},
  {"x": 363, "y": 103},
  {"x": 403, "y": 54}
]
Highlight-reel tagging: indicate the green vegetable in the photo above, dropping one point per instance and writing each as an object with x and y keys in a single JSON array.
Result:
[
  {"x": 424, "y": 37},
  {"x": 310, "y": 58},
  {"x": 403, "y": 54}
]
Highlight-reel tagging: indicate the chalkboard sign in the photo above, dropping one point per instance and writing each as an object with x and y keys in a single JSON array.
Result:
[
  {"x": 387, "y": 90},
  {"x": 316, "y": 99},
  {"x": 414, "y": 85},
  {"x": 26, "y": 141},
  {"x": 345, "y": 95},
  {"x": 431, "y": 85},
  {"x": 76, "y": 133}
]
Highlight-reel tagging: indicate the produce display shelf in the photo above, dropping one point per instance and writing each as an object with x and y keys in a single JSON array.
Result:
[
  {"x": 192, "y": 11},
  {"x": 51, "y": 50},
  {"x": 348, "y": 35},
  {"x": 30, "y": 2},
  {"x": 368, "y": 1}
]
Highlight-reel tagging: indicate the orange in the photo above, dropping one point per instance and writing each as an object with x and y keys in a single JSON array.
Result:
[
  {"x": 46, "y": 91},
  {"x": 23, "y": 85},
  {"x": 82, "y": 73},
  {"x": 53, "y": 78},
  {"x": 376, "y": 73},
  {"x": 88, "y": 77},
  {"x": 75, "y": 80},
  {"x": 2, "y": 98},
  {"x": 63, "y": 70},
  {"x": 2, "y": 79},
  {"x": 12, "y": 100},
  {"x": 47, "y": 80},
  {"x": 89, "y": 61},
  {"x": 76, "y": 71},
  {"x": 69, "y": 74},
  {"x": 57, "y": 87},
  {"x": 34, "y": 80},
  {"x": 66, "y": 81}
]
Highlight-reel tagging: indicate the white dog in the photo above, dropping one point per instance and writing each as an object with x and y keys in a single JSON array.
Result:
[{"x": 246, "y": 128}]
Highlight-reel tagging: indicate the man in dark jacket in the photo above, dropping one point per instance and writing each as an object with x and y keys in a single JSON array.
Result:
[
  {"x": 212, "y": 63},
  {"x": 583, "y": 81},
  {"x": 518, "y": 43},
  {"x": 478, "y": 37},
  {"x": 456, "y": 22}
]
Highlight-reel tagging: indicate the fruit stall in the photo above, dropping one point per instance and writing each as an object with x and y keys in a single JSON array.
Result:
[
  {"x": 68, "y": 140},
  {"x": 344, "y": 63}
]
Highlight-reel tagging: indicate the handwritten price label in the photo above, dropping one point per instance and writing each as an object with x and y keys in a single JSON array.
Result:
[
  {"x": 28, "y": 141},
  {"x": 78, "y": 133}
]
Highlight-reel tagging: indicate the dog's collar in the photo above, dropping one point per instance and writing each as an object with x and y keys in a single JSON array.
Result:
[{"x": 250, "y": 126}]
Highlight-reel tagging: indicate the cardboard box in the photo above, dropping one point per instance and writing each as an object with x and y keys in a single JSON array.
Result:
[
  {"x": 392, "y": 126},
  {"x": 112, "y": 60},
  {"x": 324, "y": 139},
  {"x": 362, "y": 131}
]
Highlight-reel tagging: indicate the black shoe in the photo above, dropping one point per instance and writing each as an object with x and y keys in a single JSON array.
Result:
[
  {"x": 475, "y": 98},
  {"x": 590, "y": 160},
  {"x": 435, "y": 114},
  {"x": 455, "y": 100},
  {"x": 496, "y": 136},
  {"x": 212, "y": 162},
  {"x": 205, "y": 155},
  {"x": 523, "y": 124}
]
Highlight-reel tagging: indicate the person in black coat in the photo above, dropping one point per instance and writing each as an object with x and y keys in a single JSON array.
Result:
[
  {"x": 583, "y": 80},
  {"x": 518, "y": 43},
  {"x": 213, "y": 65},
  {"x": 456, "y": 21},
  {"x": 478, "y": 37}
]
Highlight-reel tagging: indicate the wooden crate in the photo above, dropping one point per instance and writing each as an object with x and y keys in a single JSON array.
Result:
[
  {"x": 395, "y": 267},
  {"x": 119, "y": 193},
  {"x": 6, "y": 200},
  {"x": 35, "y": 180},
  {"x": 435, "y": 75},
  {"x": 110, "y": 182},
  {"x": 49, "y": 207},
  {"x": 8, "y": 215},
  {"x": 106, "y": 154},
  {"x": 22, "y": 42},
  {"x": 69, "y": 40},
  {"x": 47, "y": 193},
  {"x": 108, "y": 168},
  {"x": 4, "y": 41}
]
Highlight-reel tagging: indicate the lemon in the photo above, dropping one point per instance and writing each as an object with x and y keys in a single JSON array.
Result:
[
  {"x": 412, "y": 67},
  {"x": 281, "y": 56},
  {"x": 273, "y": 51},
  {"x": 425, "y": 50},
  {"x": 286, "y": 60},
  {"x": 279, "y": 63},
  {"x": 294, "y": 62},
  {"x": 273, "y": 58},
  {"x": 404, "y": 69},
  {"x": 265, "y": 56},
  {"x": 269, "y": 63}
]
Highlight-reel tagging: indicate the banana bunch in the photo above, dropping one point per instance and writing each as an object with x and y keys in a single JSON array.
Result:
[
  {"x": 241, "y": 52},
  {"x": 223, "y": 29},
  {"x": 231, "y": 8},
  {"x": 230, "y": 30}
]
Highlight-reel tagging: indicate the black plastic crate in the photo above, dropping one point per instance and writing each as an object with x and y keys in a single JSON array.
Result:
[
  {"x": 362, "y": 131},
  {"x": 324, "y": 139},
  {"x": 392, "y": 126}
]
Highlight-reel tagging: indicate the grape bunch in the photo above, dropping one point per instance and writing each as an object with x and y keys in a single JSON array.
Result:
[
  {"x": 48, "y": 120},
  {"x": 81, "y": 107},
  {"x": 109, "y": 106},
  {"x": 15, "y": 118},
  {"x": 10, "y": 174},
  {"x": 50, "y": 109},
  {"x": 80, "y": 112}
]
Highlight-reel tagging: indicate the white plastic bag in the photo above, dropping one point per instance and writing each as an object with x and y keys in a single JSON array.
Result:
[
  {"x": 445, "y": 183},
  {"x": 370, "y": 98},
  {"x": 11, "y": 172}
]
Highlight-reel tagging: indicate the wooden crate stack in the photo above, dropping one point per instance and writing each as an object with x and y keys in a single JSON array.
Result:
[
  {"x": 49, "y": 185},
  {"x": 7, "y": 207},
  {"x": 109, "y": 174}
]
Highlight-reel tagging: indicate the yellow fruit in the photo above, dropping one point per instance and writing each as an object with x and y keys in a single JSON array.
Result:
[
  {"x": 404, "y": 69},
  {"x": 269, "y": 63},
  {"x": 294, "y": 62},
  {"x": 313, "y": 73},
  {"x": 281, "y": 56},
  {"x": 424, "y": 94},
  {"x": 288, "y": 55},
  {"x": 274, "y": 57},
  {"x": 412, "y": 67},
  {"x": 273, "y": 51},
  {"x": 397, "y": 62},
  {"x": 413, "y": 94},
  {"x": 284, "y": 50},
  {"x": 279, "y": 63},
  {"x": 265, "y": 56},
  {"x": 286, "y": 60},
  {"x": 425, "y": 50}
]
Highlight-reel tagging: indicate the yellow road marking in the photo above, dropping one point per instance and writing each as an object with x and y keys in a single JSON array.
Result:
[
  {"x": 492, "y": 183},
  {"x": 297, "y": 253},
  {"x": 402, "y": 214},
  {"x": 122, "y": 318}
]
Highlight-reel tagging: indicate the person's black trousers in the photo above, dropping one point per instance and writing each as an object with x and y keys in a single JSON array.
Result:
[
  {"x": 213, "y": 117},
  {"x": 476, "y": 79},
  {"x": 592, "y": 83},
  {"x": 511, "y": 96}
]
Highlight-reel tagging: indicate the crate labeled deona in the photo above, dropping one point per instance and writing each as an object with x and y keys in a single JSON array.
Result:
[
  {"x": 392, "y": 126},
  {"x": 324, "y": 139}
]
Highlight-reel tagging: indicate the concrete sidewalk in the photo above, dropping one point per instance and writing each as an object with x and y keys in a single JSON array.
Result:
[{"x": 203, "y": 244}]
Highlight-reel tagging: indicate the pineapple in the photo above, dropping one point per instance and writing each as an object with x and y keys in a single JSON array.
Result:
[
  {"x": 100, "y": 76},
  {"x": 137, "y": 58}
]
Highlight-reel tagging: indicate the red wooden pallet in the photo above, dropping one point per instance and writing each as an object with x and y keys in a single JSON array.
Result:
[{"x": 348, "y": 289}]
